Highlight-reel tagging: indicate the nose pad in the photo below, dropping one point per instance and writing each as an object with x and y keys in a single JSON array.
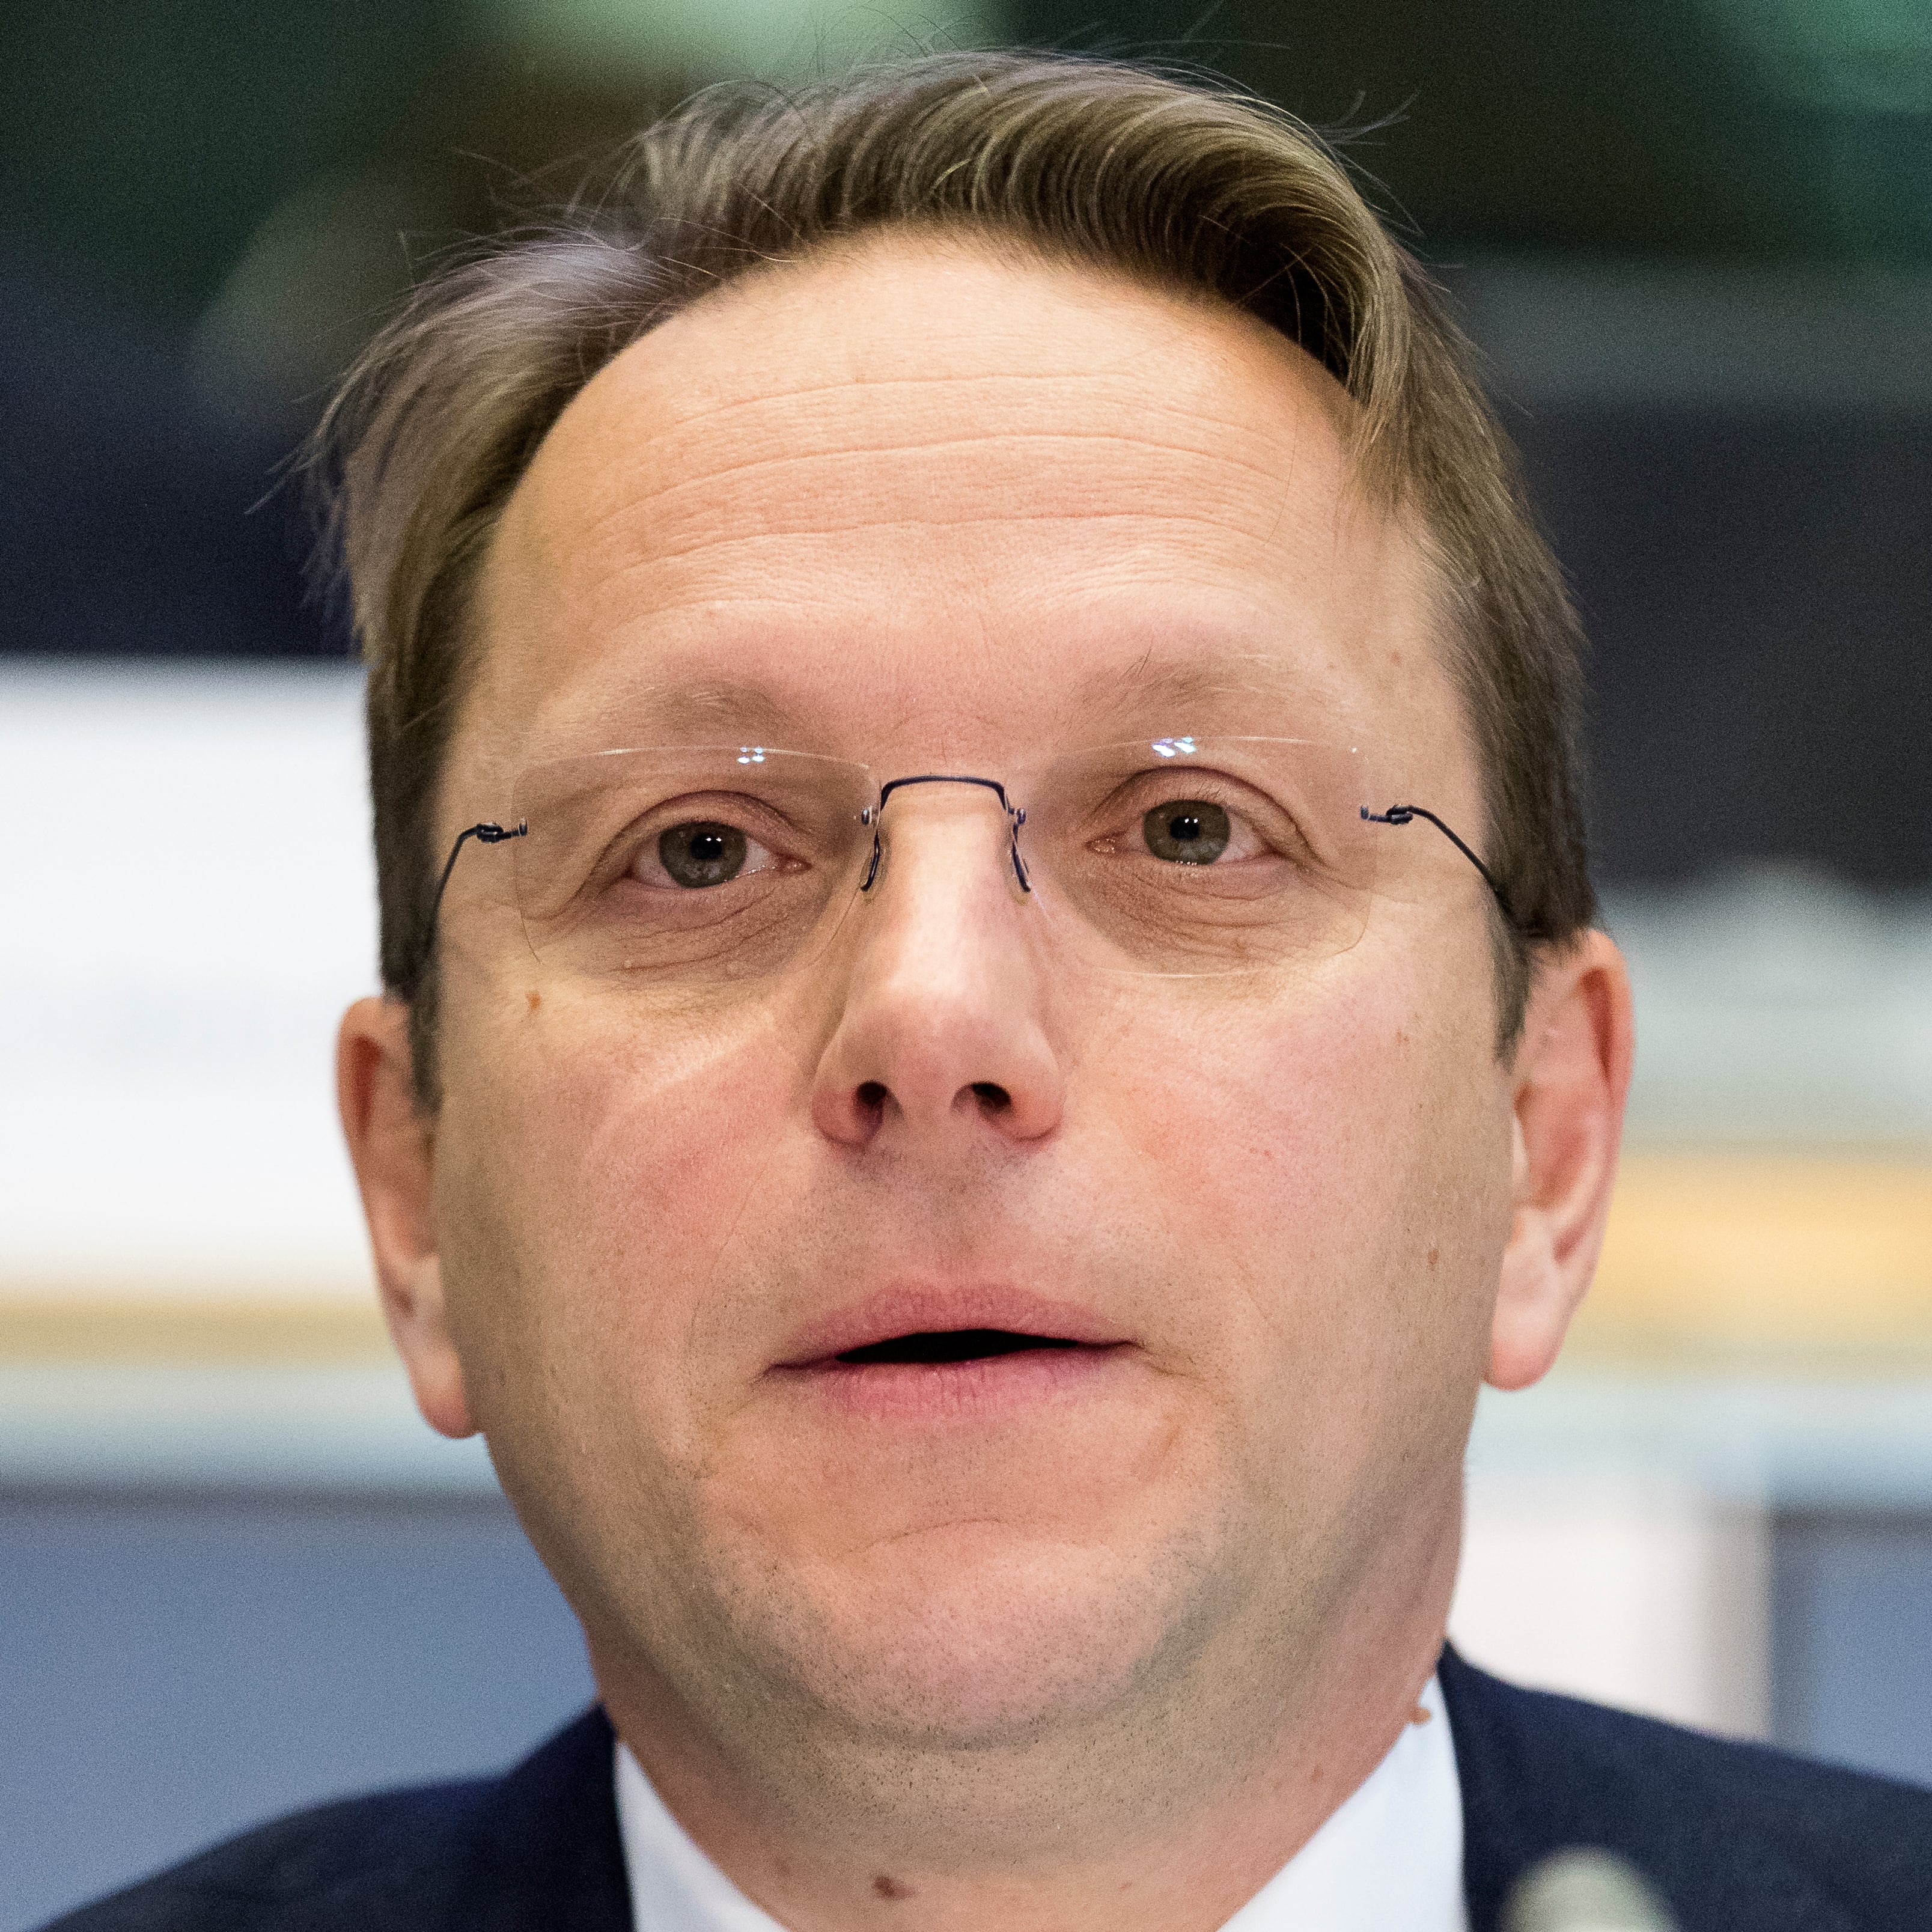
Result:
[
  {"x": 1013, "y": 852},
  {"x": 942, "y": 1019},
  {"x": 1016, "y": 818}
]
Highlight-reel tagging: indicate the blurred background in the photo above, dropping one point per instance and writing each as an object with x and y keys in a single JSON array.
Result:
[{"x": 1694, "y": 239}]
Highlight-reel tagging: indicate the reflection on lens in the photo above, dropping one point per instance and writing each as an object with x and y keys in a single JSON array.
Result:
[
  {"x": 1188, "y": 831},
  {"x": 627, "y": 878},
  {"x": 701, "y": 852}
]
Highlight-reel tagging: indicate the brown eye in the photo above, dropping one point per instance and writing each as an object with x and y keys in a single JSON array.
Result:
[
  {"x": 1187, "y": 831},
  {"x": 702, "y": 852}
]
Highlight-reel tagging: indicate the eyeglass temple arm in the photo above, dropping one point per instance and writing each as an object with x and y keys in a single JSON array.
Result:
[
  {"x": 488, "y": 833},
  {"x": 1401, "y": 814}
]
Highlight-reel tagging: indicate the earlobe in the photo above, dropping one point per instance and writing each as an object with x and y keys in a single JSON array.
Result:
[
  {"x": 1571, "y": 1074},
  {"x": 392, "y": 1144}
]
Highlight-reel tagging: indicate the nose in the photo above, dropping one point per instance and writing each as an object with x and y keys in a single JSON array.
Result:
[{"x": 942, "y": 1030}]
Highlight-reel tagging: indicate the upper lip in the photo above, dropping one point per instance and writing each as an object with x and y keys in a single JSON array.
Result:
[{"x": 915, "y": 1309}]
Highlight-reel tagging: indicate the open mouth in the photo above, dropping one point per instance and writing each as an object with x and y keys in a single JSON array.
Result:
[
  {"x": 935, "y": 1347},
  {"x": 950, "y": 1351}
]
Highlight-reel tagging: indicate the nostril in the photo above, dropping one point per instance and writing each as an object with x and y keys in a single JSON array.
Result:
[
  {"x": 993, "y": 1097},
  {"x": 872, "y": 1095}
]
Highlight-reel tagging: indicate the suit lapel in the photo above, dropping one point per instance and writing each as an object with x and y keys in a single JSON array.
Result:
[
  {"x": 1541, "y": 1775},
  {"x": 548, "y": 1853}
]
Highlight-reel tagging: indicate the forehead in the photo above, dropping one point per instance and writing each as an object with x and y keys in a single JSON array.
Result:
[{"x": 958, "y": 494}]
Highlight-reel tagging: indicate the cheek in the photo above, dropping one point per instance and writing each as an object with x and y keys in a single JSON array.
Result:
[
  {"x": 1337, "y": 1160},
  {"x": 1257, "y": 1122},
  {"x": 610, "y": 1155}
]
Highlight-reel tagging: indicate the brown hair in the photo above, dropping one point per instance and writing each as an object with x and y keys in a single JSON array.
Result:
[{"x": 1131, "y": 171}]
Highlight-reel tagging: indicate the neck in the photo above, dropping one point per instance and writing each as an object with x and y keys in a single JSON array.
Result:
[{"x": 1169, "y": 1815}]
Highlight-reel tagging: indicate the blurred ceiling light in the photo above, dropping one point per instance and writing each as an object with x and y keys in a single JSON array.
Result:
[
  {"x": 1860, "y": 72},
  {"x": 542, "y": 88},
  {"x": 316, "y": 277},
  {"x": 724, "y": 39},
  {"x": 1585, "y": 1891},
  {"x": 1845, "y": 56}
]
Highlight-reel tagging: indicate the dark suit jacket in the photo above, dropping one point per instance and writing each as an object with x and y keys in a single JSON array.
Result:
[{"x": 1738, "y": 1838}]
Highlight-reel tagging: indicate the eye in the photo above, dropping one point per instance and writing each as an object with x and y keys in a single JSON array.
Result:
[
  {"x": 1187, "y": 831},
  {"x": 702, "y": 852}
]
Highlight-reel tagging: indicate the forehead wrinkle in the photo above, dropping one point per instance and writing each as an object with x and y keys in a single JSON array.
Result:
[
  {"x": 1156, "y": 400},
  {"x": 687, "y": 414},
  {"x": 683, "y": 458},
  {"x": 1010, "y": 442},
  {"x": 756, "y": 539}
]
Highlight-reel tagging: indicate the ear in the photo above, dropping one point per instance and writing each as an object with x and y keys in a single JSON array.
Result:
[
  {"x": 392, "y": 1143},
  {"x": 1571, "y": 1073}
]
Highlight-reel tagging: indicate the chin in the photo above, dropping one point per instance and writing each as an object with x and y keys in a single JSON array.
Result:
[{"x": 974, "y": 1634}]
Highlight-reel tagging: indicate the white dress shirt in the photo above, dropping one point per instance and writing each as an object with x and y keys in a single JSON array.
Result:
[{"x": 1391, "y": 1856}]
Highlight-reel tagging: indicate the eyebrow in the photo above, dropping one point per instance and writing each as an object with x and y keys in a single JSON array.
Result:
[
  {"x": 1164, "y": 694},
  {"x": 702, "y": 710},
  {"x": 1156, "y": 693}
]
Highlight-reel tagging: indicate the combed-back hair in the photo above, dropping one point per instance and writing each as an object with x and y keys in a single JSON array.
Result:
[{"x": 1185, "y": 187}]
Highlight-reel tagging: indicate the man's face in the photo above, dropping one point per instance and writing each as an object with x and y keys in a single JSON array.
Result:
[{"x": 943, "y": 509}]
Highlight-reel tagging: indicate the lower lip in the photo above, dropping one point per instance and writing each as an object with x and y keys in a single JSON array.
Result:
[{"x": 919, "y": 1390}]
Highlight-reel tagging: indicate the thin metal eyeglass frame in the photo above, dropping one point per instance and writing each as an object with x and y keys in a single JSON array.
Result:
[
  {"x": 1402, "y": 815},
  {"x": 490, "y": 833},
  {"x": 1016, "y": 818}
]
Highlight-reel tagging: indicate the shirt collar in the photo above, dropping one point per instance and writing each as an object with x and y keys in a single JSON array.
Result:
[{"x": 1391, "y": 1855}]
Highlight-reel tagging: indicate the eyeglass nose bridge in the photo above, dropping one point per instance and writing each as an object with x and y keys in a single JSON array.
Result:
[{"x": 1016, "y": 818}]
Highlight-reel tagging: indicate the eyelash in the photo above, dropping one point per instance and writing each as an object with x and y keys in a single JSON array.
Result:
[
  {"x": 635, "y": 851},
  {"x": 1207, "y": 792},
  {"x": 645, "y": 850},
  {"x": 637, "y": 845}
]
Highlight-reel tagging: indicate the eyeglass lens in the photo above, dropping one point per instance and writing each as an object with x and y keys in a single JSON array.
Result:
[{"x": 688, "y": 866}]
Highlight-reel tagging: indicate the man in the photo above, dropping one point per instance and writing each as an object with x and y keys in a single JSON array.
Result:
[{"x": 992, "y": 1022}]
